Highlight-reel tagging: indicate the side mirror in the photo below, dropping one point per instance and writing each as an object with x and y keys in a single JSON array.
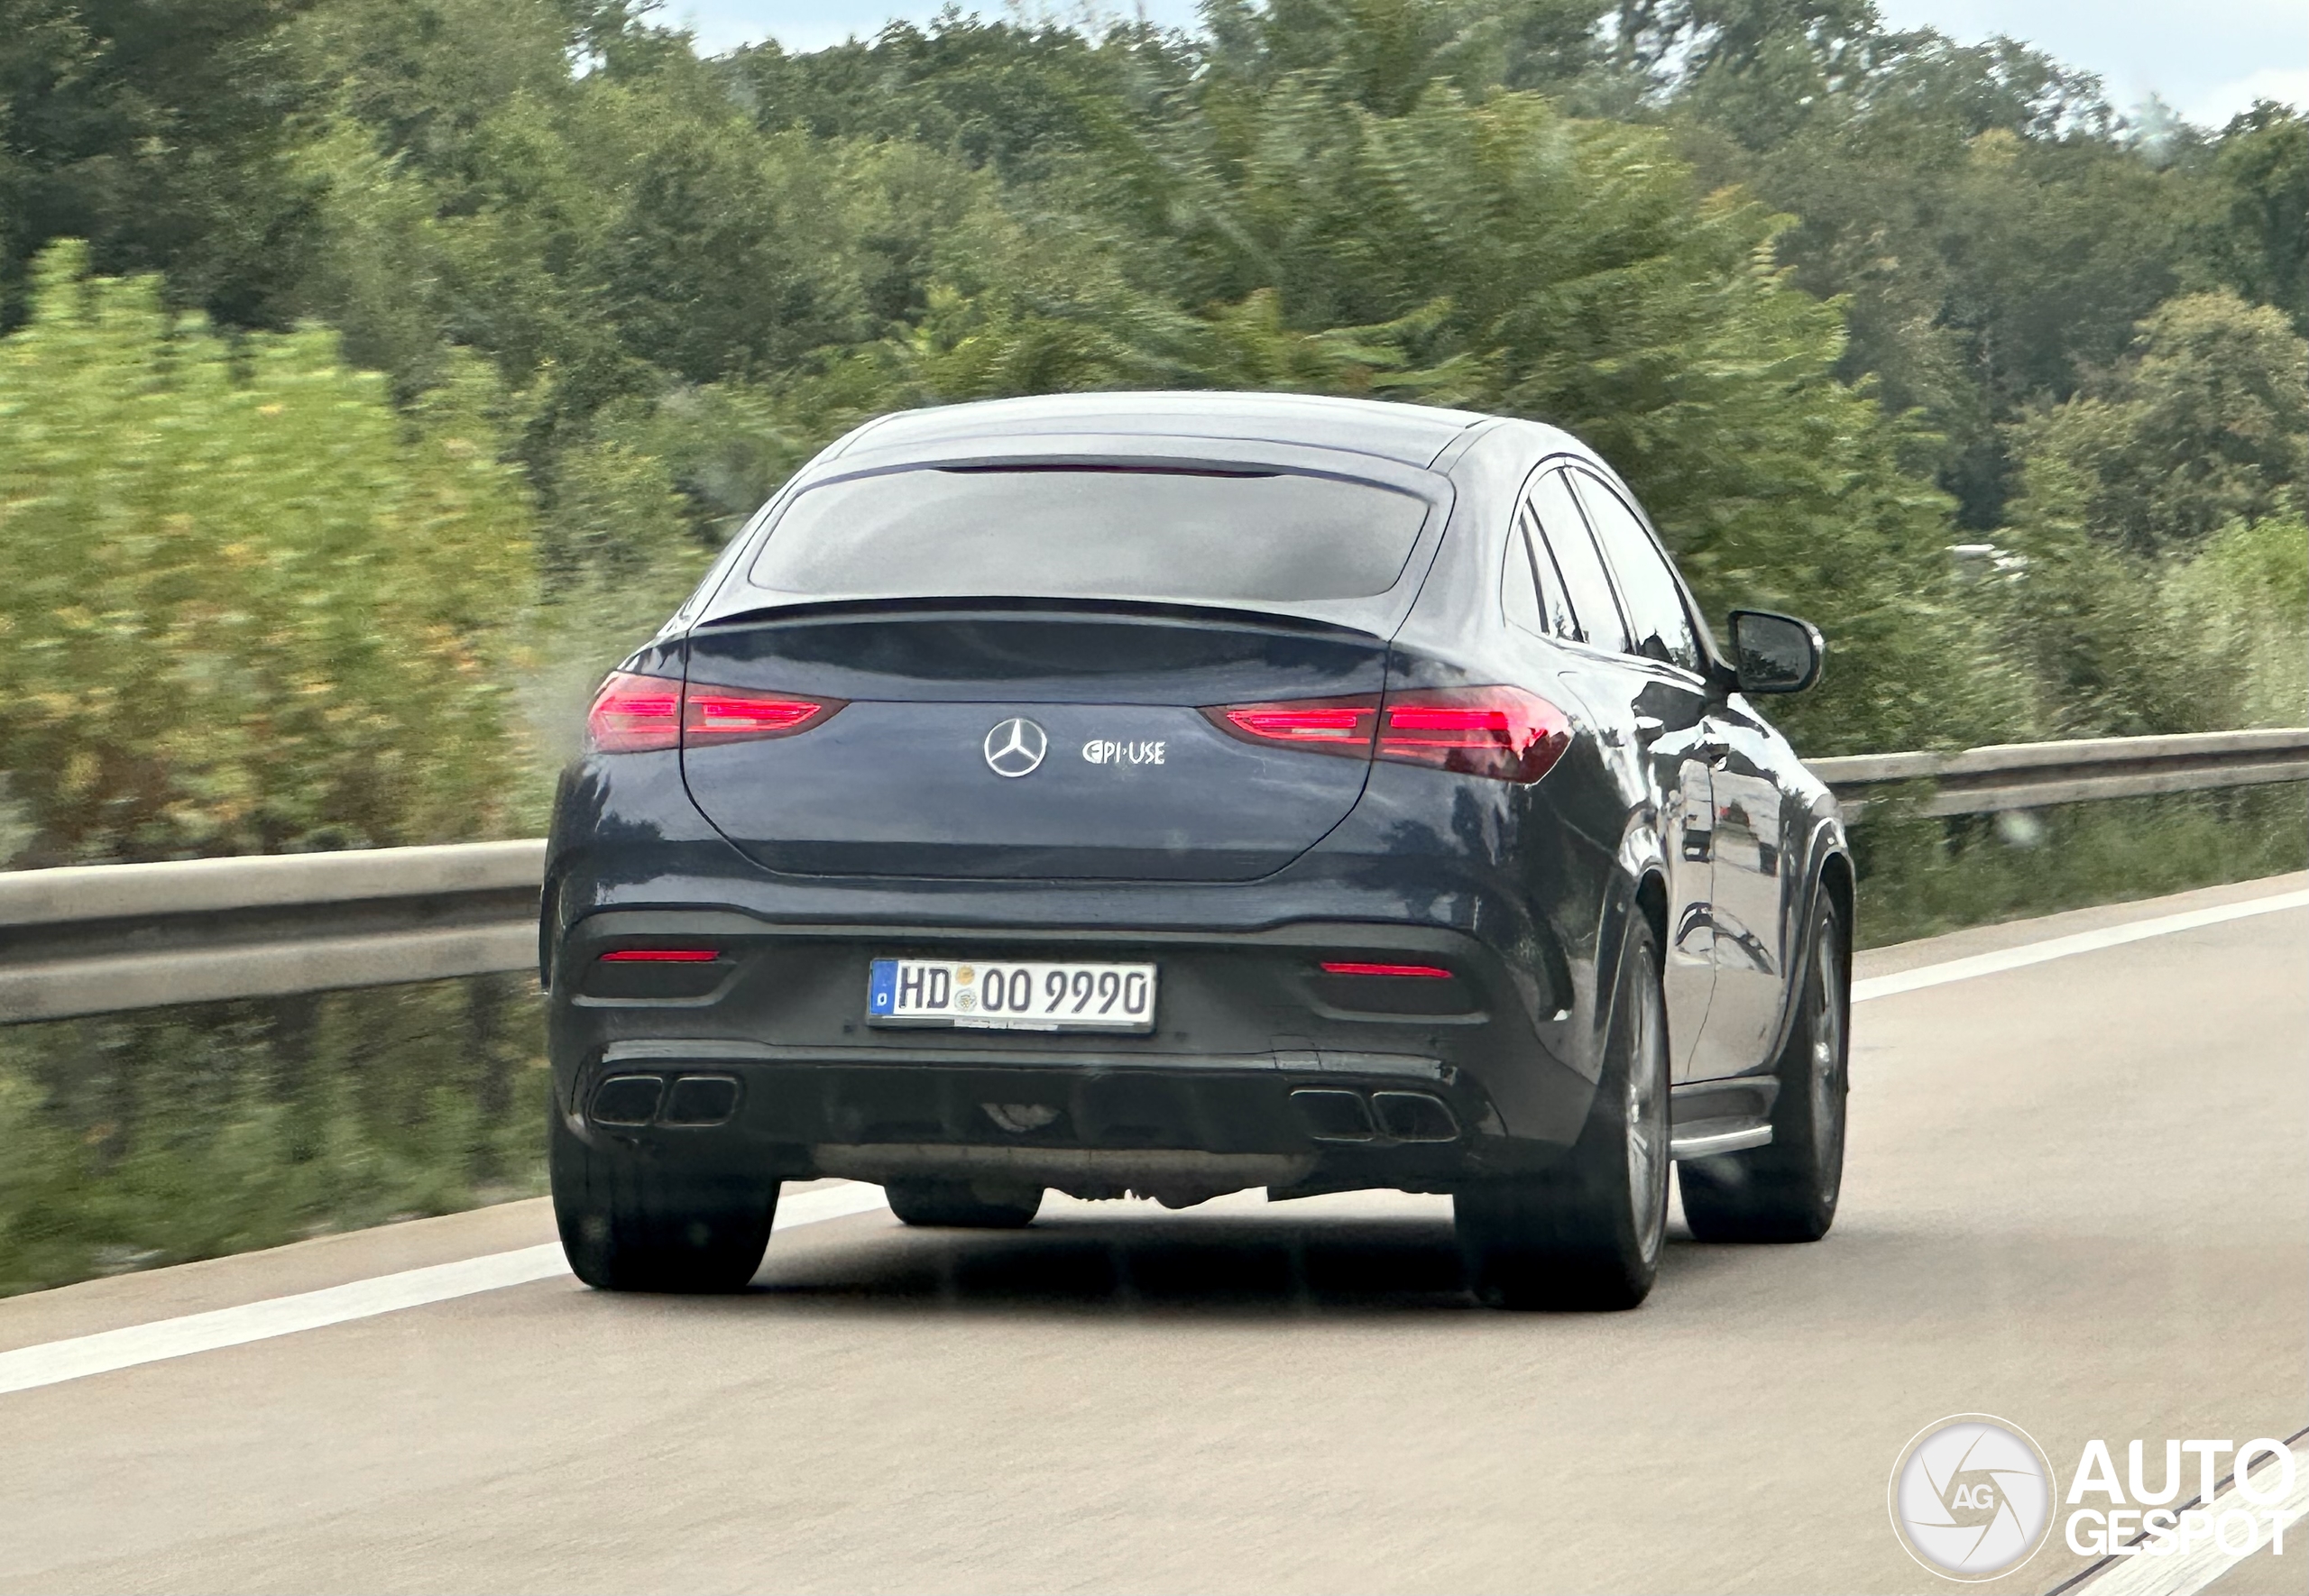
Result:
[{"x": 1775, "y": 653}]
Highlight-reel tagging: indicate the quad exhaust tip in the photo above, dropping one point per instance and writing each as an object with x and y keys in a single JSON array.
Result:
[
  {"x": 1335, "y": 1113},
  {"x": 688, "y": 1102}
]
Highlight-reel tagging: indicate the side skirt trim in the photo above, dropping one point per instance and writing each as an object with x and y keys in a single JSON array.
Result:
[{"x": 1706, "y": 1139}]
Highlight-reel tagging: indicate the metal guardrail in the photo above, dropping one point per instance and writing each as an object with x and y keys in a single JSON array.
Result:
[
  {"x": 104, "y": 939},
  {"x": 2029, "y": 776},
  {"x": 110, "y": 938}
]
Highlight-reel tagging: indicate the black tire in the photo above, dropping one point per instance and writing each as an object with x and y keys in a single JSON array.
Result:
[
  {"x": 631, "y": 1220},
  {"x": 1586, "y": 1233},
  {"x": 964, "y": 1204},
  {"x": 1787, "y": 1190}
]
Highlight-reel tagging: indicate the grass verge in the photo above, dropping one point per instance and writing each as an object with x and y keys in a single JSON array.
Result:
[
  {"x": 1919, "y": 876},
  {"x": 141, "y": 1140}
]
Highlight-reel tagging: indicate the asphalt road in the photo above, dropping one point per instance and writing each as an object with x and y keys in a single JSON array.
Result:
[{"x": 2078, "y": 1198}]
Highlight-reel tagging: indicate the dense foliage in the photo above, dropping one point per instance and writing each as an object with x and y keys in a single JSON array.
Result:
[{"x": 250, "y": 605}]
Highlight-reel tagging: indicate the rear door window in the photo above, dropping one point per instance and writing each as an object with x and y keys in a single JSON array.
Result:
[
  {"x": 1594, "y": 610},
  {"x": 1662, "y": 626},
  {"x": 1243, "y": 537}
]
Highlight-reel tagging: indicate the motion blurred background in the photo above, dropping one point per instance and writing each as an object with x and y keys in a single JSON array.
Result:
[{"x": 373, "y": 373}]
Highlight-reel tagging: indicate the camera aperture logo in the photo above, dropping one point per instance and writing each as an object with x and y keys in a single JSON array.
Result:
[{"x": 1972, "y": 1497}]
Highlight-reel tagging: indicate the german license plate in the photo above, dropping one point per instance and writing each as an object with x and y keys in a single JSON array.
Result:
[{"x": 1011, "y": 995}]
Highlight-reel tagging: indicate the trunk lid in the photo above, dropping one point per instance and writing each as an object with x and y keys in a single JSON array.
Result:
[{"x": 931, "y": 768}]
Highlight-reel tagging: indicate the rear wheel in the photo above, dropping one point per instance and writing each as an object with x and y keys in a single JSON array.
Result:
[
  {"x": 963, "y": 1205},
  {"x": 1787, "y": 1190},
  {"x": 633, "y": 1222},
  {"x": 1586, "y": 1233}
]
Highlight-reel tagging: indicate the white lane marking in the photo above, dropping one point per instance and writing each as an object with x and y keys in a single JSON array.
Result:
[
  {"x": 2092, "y": 941},
  {"x": 52, "y": 1363},
  {"x": 2185, "y": 1573},
  {"x": 57, "y": 1361}
]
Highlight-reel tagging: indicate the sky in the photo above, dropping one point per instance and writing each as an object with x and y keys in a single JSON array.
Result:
[{"x": 2208, "y": 60}]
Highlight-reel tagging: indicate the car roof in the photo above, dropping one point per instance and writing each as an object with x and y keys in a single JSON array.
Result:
[{"x": 1412, "y": 434}]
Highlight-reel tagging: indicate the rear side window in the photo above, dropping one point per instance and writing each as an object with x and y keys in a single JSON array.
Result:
[
  {"x": 1535, "y": 596},
  {"x": 1655, "y": 605},
  {"x": 1519, "y": 583},
  {"x": 1039, "y": 532},
  {"x": 1594, "y": 610}
]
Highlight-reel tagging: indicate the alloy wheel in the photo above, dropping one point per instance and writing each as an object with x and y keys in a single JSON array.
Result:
[
  {"x": 1645, "y": 1119},
  {"x": 1826, "y": 1081}
]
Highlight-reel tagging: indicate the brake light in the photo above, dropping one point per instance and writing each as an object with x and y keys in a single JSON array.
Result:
[
  {"x": 661, "y": 955},
  {"x": 1339, "y": 967},
  {"x": 635, "y": 714},
  {"x": 1502, "y": 732}
]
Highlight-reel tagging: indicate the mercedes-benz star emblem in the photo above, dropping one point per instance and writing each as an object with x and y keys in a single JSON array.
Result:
[{"x": 1016, "y": 747}]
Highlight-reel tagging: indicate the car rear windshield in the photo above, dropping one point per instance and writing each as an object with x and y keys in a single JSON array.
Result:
[{"x": 1226, "y": 537}]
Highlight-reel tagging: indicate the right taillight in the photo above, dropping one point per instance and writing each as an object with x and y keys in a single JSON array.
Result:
[
  {"x": 1501, "y": 733},
  {"x": 634, "y": 714}
]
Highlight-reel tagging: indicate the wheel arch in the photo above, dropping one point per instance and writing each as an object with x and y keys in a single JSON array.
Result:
[
  {"x": 1637, "y": 895},
  {"x": 1831, "y": 873},
  {"x": 1651, "y": 903}
]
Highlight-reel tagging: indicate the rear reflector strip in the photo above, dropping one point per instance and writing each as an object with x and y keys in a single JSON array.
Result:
[
  {"x": 1350, "y": 968},
  {"x": 661, "y": 955}
]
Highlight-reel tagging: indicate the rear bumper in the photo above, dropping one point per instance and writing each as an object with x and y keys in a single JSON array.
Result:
[{"x": 1262, "y": 1071}]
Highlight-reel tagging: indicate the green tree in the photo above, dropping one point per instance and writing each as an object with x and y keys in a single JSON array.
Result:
[
  {"x": 2205, "y": 422},
  {"x": 162, "y": 131},
  {"x": 2166, "y": 568},
  {"x": 2256, "y": 230}
]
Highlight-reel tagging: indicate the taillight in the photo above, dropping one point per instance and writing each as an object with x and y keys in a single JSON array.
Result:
[
  {"x": 735, "y": 714},
  {"x": 634, "y": 714},
  {"x": 1319, "y": 725},
  {"x": 1502, "y": 732}
]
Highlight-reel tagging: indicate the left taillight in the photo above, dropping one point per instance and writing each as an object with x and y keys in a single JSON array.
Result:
[
  {"x": 633, "y": 714},
  {"x": 738, "y": 714}
]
